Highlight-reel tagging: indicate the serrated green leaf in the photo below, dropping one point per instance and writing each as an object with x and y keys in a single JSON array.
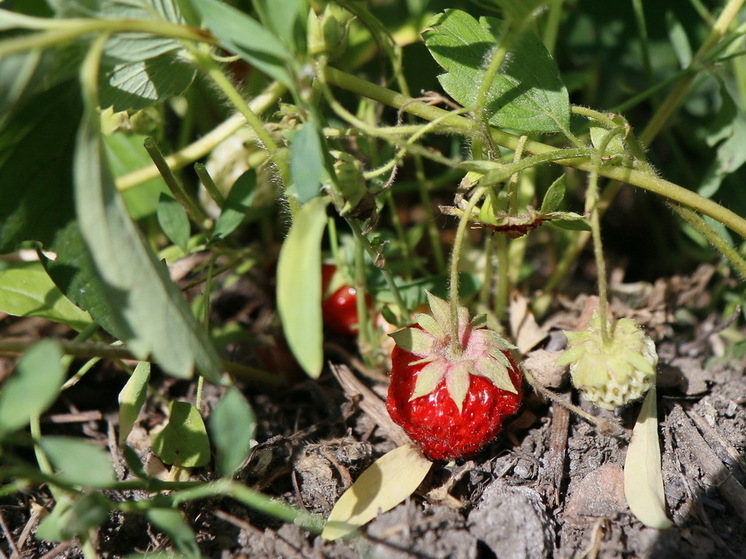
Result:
[
  {"x": 237, "y": 203},
  {"x": 307, "y": 162},
  {"x": 386, "y": 483},
  {"x": 173, "y": 523},
  {"x": 232, "y": 427},
  {"x": 526, "y": 95},
  {"x": 643, "y": 478},
  {"x": 246, "y": 37},
  {"x": 131, "y": 399},
  {"x": 32, "y": 387},
  {"x": 183, "y": 441},
  {"x": 27, "y": 290},
  {"x": 76, "y": 518},
  {"x": 554, "y": 196},
  {"x": 78, "y": 461},
  {"x": 174, "y": 221},
  {"x": 299, "y": 286},
  {"x": 142, "y": 83},
  {"x": 146, "y": 307}
]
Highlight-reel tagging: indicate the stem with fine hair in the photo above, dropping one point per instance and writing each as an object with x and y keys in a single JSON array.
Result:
[{"x": 453, "y": 293}]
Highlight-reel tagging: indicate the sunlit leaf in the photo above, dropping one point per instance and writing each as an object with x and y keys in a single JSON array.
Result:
[
  {"x": 643, "y": 478},
  {"x": 527, "y": 94},
  {"x": 386, "y": 483},
  {"x": 299, "y": 286},
  {"x": 183, "y": 441},
  {"x": 131, "y": 399},
  {"x": 27, "y": 290}
]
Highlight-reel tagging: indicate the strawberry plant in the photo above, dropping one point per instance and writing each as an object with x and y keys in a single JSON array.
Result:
[{"x": 177, "y": 177}]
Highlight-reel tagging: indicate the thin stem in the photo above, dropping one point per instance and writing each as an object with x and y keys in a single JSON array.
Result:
[
  {"x": 508, "y": 35},
  {"x": 215, "y": 73},
  {"x": 195, "y": 211},
  {"x": 720, "y": 244},
  {"x": 464, "y": 126},
  {"x": 208, "y": 142},
  {"x": 551, "y": 31},
  {"x": 503, "y": 276},
  {"x": 593, "y": 210},
  {"x": 387, "y": 275},
  {"x": 453, "y": 293},
  {"x": 209, "y": 184}
]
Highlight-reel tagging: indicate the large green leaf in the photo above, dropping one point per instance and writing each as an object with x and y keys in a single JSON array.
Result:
[
  {"x": 36, "y": 148},
  {"x": 27, "y": 290},
  {"x": 527, "y": 94},
  {"x": 146, "y": 307},
  {"x": 33, "y": 386},
  {"x": 248, "y": 38},
  {"x": 299, "y": 286}
]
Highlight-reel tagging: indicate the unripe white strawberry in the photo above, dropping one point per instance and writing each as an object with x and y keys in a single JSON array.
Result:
[{"x": 614, "y": 372}]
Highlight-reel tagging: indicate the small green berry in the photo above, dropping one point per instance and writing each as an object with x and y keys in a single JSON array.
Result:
[{"x": 614, "y": 372}]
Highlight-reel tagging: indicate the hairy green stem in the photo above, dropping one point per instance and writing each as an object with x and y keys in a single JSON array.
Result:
[
  {"x": 720, "y": 244},
  {"x": 464, "y": 126},
  {"x": 195, "y": 211},
  {"x": 205, "y": 144},
  {"x": 458, "y": 242}
]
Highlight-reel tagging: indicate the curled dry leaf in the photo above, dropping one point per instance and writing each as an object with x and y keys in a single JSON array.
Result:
[{"x": 386, "y": 483}]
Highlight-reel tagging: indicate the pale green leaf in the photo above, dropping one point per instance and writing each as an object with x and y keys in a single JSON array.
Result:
[
  {"x": 643, "y": 478},
  {"x": 307, "y": 162},
  {"x": 429, "y": 324},
  {"x": 27, "y": 290},
  {"x": 183, "y": 441},
  {"x": 441, "y": 310},
  {"x": 131, "y": 399},
  {"x": 78, "y": 461},
  {"x": 386, "y": 483},
  {"x": 147, "y": 308},
  {"x": 527, "y": 94},
  {"x": 232, "y": 427},
  {"x": 414, "y": 341},
  {"x": 174, "y": 221},
  {"x": 428, "y": 379},
  {"x": 299, "y": 286},
  {"x": 496, "y": 372},
  {"x": 32, "y": 387}
]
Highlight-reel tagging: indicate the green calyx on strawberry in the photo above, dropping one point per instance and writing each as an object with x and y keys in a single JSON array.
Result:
[{"x": 452, "y": 398}]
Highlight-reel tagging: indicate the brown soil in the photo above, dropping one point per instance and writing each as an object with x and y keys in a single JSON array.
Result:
[{"x": 550, "y": 486}]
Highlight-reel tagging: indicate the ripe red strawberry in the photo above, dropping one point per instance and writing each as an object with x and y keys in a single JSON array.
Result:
[
  {"x": 451, "y": 404},
  {"x": 339, "y": 309}
]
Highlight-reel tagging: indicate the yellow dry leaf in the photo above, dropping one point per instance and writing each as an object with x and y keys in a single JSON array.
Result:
[
  {"x": 386, "y": 483},
  {"x": 643, "y": 478}
]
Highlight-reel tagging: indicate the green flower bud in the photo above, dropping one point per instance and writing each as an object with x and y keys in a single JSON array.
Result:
[{"x": 614, "y": 372}]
